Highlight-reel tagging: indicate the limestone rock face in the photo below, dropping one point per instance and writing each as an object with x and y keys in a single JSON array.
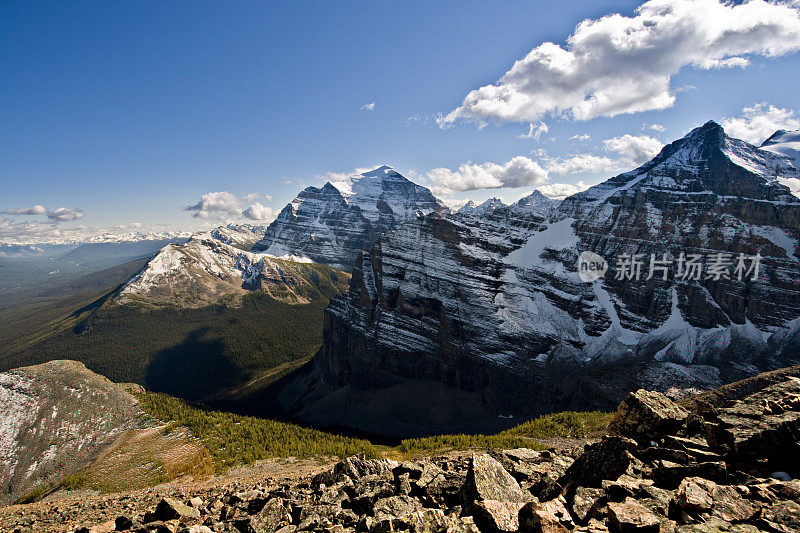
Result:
[
  {"x": 647, "y": 414},
  {"x": 475, "y": 320},
  {"x": 332, "y": 224}
]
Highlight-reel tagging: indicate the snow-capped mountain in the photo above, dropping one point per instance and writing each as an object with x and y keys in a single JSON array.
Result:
[
  {"x": 242, "y": 236},
  {"x": 471, "y": 208},
  {"x": 477, "y": 317},
  {"x": 333, "y": 223},
  {"x": 786, "y": 143},
  {"x": 136, "y": 236},
  {"x": 535, "y": 203},
  {"x": 205, "y": 271}
]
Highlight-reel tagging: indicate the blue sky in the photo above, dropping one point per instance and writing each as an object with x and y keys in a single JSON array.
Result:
[{"x": 129, "y": 112}]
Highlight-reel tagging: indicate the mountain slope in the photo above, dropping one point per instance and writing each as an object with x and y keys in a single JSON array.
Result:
[
  {"x": 198, "y": 320},
  {"x": 479, "y": 318},
  {"x": 56, "y": 417},
  {"x": 332, "y": 224},
  {"x": 206, "y": 271},
  {"x": 64, "y": 425}
]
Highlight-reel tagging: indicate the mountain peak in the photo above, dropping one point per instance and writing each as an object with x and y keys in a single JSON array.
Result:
[
  {"x": 490, "y": 205},
  {"x": 332, "y": 224},
  {"x": 775, "y": 137},
  {"x": 329, "y": 187}
]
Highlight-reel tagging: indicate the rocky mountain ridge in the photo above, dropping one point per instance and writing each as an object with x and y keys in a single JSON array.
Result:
[
  {"x": 484, "y": 319},
  {"x": 56, "y": 417},
  {"x": 333, "y": 223},
  {"x": 206, "y": 271}
]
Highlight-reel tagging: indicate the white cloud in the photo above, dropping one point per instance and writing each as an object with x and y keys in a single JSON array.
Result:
[
  {"x": 368, "y": 107},
  {"x": 636, "y": 149},
  {"x": 581, "y": 137},
  {"x": 631, "y": 151},
  {"x": 618, "y": 64},
  {"x": 222, "y": 204},
  {"x": 582, "y": 163},
  {"x": 63, "y": 214},
  {"x": 559, "y": 191},
  {"x": 258, "y": 211},
  {"x": 35, "y": 210},
  {"x": 215, "y": 202},
  {"x": 759, "y": 121},
  {"x": 252, "y": 197},
  {"x": 520, "y": 171},
  {"x": 535, "y": 131},
  {"x": 37, "y": 231},
  {"x": 657, "y": 127}
]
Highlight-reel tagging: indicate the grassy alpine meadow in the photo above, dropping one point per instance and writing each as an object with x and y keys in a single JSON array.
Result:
[
  {"x": 235, "y": 439},
  {"x": 564, "y": 424}
]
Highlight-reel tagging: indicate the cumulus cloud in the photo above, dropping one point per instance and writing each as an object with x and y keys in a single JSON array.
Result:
[
  {"x": 759, "y": 121},
  {"x": 252, "y": 197},
  {"x": 582, "y": 163},
  {"x": 637, "y": 149},
  {"x": 35, "y": 210},
  {"x": 581, "y": 137},
  {"x": 13, "y": 231},
  {"x": 222, "y": 204},
  {"x": 657, "y": 127},
  {"x": 520, "y": 171},
  {"x": 210, "y": 203},
  {"x": 618, "y": 64},
  {"x": 535, "y": 131},
  {"x": 624, "y": 152},
  {"x": 628, "y": 151},
  {"x": 368, "y": 107},
  {"x": 258, "y": 211},
  {"x": 64, "y": 214},
  {"x": 559, "y": 191}
]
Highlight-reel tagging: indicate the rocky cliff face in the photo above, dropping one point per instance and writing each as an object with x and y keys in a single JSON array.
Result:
[
  {"x": 56, "y": 417},
  {"x": 332, "y": 224},
  {"x": 469, "y": 322}
]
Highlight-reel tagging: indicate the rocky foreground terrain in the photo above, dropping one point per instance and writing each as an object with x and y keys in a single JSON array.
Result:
[{"x": 720, "y": 461}]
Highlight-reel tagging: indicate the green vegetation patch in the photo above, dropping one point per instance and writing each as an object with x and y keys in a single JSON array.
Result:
[
  {"x": 234, "y": 439},
  {"x": 189, "y": 353},
  {"x": 564, "y": 424}
]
